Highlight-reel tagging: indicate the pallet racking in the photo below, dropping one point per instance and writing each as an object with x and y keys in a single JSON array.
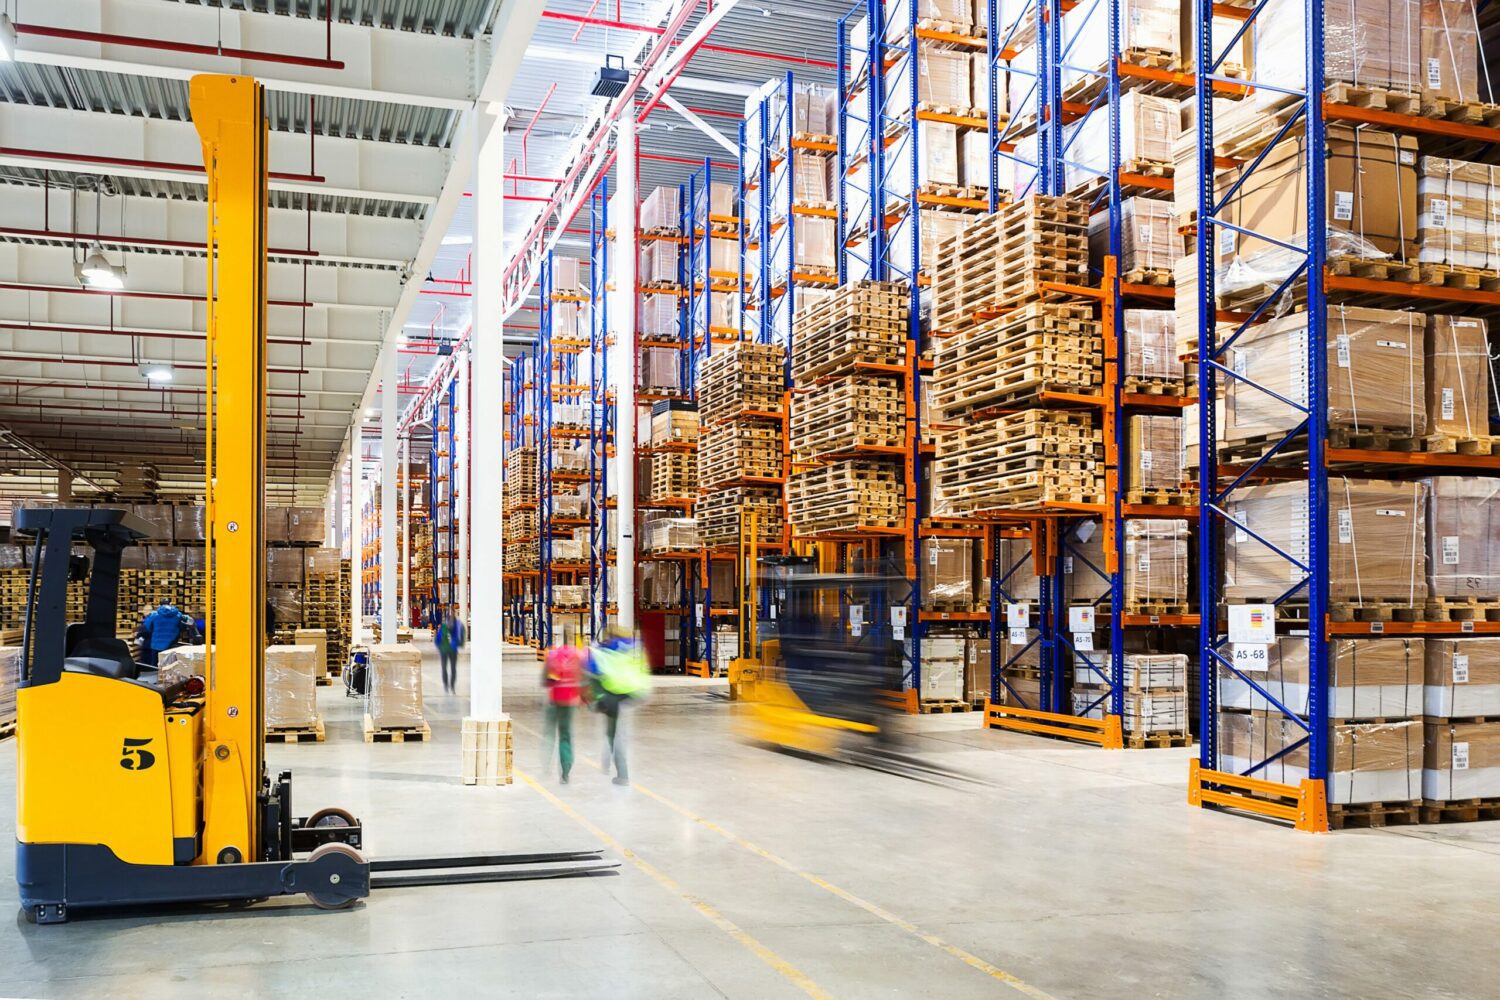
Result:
[{"x": 1310, "y": 454}]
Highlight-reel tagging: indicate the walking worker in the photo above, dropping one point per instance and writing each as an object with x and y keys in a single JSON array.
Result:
[
  {"x": 450, "y": 639},
  {"x": 159, "y": 631},
  {"x": 619, "y": 677},
  {"x": 562, "y": 677}
]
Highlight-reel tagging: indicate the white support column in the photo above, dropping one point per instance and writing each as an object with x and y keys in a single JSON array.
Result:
[
  {"x": 487, "y": 420},
  {"x": 406, "y": 529},
  {"x": 388, "y": 398},
  {"x": 622, "y": 366},
  {"x": 356, "y": 507},
  {"x": 462, "y": 481}
]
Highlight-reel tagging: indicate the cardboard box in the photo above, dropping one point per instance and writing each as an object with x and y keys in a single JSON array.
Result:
[
  {"x": 1457, "y": 376},
  {"x": 1460, "y": 760},
  {"x": 974, "y": 157},
  {"x": 1143, "y": 711},
  {"x": 1375, "y": 545},
  {"x": 317, "y": 638},
  {"x": 944, "y": 661},
  {"x": 814, "y": 110},
  {"x": 1156, "y": 562},
  {"x": 947, "y": 574},
  {"x": 1151, "y": 346},
  {"x": 722, "y": 200},
  {"x": 1155, "y": 455},
  {"x": 815, "y": 242},
  {"x": 659, "y": 369},
  {"x": 1148, "y": 132},
  {"x": 1376, "y": 373},
  {"x": 1450, "y": 51},
  {"x": 1371, "y": 209},
  {"x": 942, "y": 76},
  {"x": 673, "y": 422},
  {"x": 1366, "y": 679},
  {"x": 1369, "y": 43},
  {"x": 661, "y": 211},
  {"x": 657, "y": 316},
  {"x": 1019, "y": 583},
  {"x": 1458, "y": 206},
  {"x": 811, "y": 182},
  {"x": 395, "y": 686},
  {"x": 1240, "y": 62},
  {"x": 1462, "y": 677},
  {"x": 1463, "y": 537},
  {"x": 291, "y": 686},
  {"x": 1142, "y": 671},
  {"x": 977, "y": 670},
  {"x": 1368, "y": 762},
  {"x": 657, "y": 260}
]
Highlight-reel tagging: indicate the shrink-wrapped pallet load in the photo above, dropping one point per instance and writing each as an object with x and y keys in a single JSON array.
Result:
[
  {"x": 1462, "y": 677},
  {"x": 1155, "y": 463},
  {"x": 1365, "y": 679},
  {"x": 395, "y": 686},
  {"x": 304, "y": 525},
  {"x": 1151, "y": 354},
  {"x": 947, "y": 574},
  {"x": 291, "y": 687},
  {"x": 1156, "y": 564},
  {"x": 1457, "y": 205},
  {"x": 1376, "y": 540},
  {"x": 1463, "y": 539},
  {"x": 1366, "y": 43},
  {"x": 1368, "y": 761},
  {"x": 1458, "y": 377},
  {"x": 1451, "y": 55},
  {"x": 1460, "y": 760},
  {"x": 1148, "y": 238},
  {"x": 318, "y": 639},
  {"x": 943, "y": 664}
]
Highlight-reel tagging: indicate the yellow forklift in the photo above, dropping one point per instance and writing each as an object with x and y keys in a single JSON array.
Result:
[{"x": 133, "y": 787}]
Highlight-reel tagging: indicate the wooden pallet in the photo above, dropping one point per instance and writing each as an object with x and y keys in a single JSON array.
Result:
[
  {"x": 1460, "y": 810},
  {"x": 7, "y": 729},
  {"x": 1155, "y": 607},
  {"x": 847, "y": 414},
  {"x": 1040, "y": 346},
  {"x": 403, "y": 734},
  {"x": 1373, "y": 815},
  {"x": 846, "y": 495},
  {"x": 1148, "y": 741},
  {"x": 1452, "y": 276},
  {"x": 1155, "y": 386},
  {"x": 1467, "y": 112},
  {"x": 863, "y": 322},
  {"x": 1149, "y": 276},
  {"x": 296, "y": 734},
  {"x": 1162, "y": 497},
  {"x": 1462, "y": 609},
  {"x": 939, "y": 706},
  {"x": 1400, "y": 102}
]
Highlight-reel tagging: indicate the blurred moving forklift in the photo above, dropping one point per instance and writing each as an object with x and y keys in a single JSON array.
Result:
[{"x": 137, "y": 787}]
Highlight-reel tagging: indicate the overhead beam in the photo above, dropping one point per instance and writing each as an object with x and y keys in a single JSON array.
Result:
[
  {"x": 701, "y": 125},
  {"x": 392, "y": 67}
]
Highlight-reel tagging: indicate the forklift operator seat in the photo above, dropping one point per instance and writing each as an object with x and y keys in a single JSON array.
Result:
[{"x": 92, "y": 651}]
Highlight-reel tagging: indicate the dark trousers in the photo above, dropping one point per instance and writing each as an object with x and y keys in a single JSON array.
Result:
[{"x": 449, "y": 658}]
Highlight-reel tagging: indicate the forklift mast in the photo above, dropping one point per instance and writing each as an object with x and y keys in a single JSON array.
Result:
[{"x": 229, "y": 114}]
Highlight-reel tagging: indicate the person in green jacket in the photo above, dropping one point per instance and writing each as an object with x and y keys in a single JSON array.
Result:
[{"x": 619, "y": 677}]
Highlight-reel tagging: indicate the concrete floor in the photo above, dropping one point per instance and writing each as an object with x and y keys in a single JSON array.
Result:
[{"x": 1072, "y": 873}]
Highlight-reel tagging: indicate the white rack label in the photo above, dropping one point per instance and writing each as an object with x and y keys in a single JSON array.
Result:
[
  {"x": 1450, "y": 550},
  {"x": 1342, "y": 343},
  {"x": 1252, "y": 623},
  {"x": 1343, "y": 205},
  {"x": 1346, "y": 526},
  {"x": 1017, "y": 636},
  {"x": 1460, "y": 668},
  {"x": 856, "y": 615},
  {"x": 1226, "y": 242},
  {"x": 1460, "y": 756},
  {"x": 898, "y": 615},
  {"x": 1081, "y": 618},
  {"x": 1083, "y": 642},
  {"x": 1251, "y": 656},
  {"x": 698, "y": 612},
  {"x": 1434, "y": 73},
  {"x": 1448, "y": 408},
  {"x": 1145, "y": 461},
  {"x": 856, "y": 629},
  {"x": 1240, "y": 534},
  {"x": 898, "y": 632}
]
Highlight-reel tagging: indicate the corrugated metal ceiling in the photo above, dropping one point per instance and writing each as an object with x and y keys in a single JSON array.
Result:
[{"x": 460, "y": 18}]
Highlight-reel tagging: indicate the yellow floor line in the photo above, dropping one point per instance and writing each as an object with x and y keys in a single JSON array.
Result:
[
  {"x": 968, "y": 958},
  {"x": 759, "y": 950}
]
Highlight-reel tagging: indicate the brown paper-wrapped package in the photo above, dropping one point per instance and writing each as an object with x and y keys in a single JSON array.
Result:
[
  {"x": 1155, "y": 453},
  {"x": 1450, "y": 50},
  {"x": 948, "y": 574},
  {"x": 291, "y": 686},
  {"x": 1458, "y": 376},
  {"x": 1156, "y": 562},
  {"x": 1462, "y": 677},
  {"x": 1377, "y": 531},
  {"x": 1463, "y": 537},
  {"x": 395, "y": 685}
]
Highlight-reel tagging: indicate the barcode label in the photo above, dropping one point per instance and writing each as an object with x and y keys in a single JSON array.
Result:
[
  {"x": 1460, "y": 756},
  {"x": 1439, "y": 213},
  {"x": 1460, "y": 668},
  {"x": 1342, "y": 343},
  {"x": 1447, "y": 404},
  {"x": 1434, "y": 73},
  {"x": 1346, "y": 527},
  {"x": 1450, "y": 550},
  {"x": 1145, "y": 461},
  {"x": 1343, "y": 205}
]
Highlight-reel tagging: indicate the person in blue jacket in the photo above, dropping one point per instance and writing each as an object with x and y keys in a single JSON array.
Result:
[{"x": 159, "y": 631}]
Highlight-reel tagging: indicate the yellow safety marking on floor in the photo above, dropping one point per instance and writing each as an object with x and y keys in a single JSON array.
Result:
[
  {"x": 875, "y": 909},
  {"x": 968, "y": 958},
  {"x": 766, "y": 955}
]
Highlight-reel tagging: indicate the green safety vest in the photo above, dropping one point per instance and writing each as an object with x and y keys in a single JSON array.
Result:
[{"x": 622, "y": 672}]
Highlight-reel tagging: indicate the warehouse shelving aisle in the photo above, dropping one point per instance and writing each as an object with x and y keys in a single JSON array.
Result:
[{"x": 1340, "y": 631}]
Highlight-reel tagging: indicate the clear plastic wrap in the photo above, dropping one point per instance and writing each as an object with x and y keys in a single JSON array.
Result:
[
  {"x": 659, "y": 369},
  {"x": 814, "y": 110},
  {"x": 1367, "y": 679},
  {"x": 569, "y": 595},
  {"x": 1451, "y": 52},
  {"x": 1375, "y": 544},
  {"x": 661, "y": 212},
  {"x": 1156, "y": 562},
  {"x": 670, "y": 534},
  {"x": 657, "y": 316},
  {"x": 976, "y": 670},
  {"x": 14, "y": 556},
  {"x": 291, "y": 687},
  {"x": 1463, "y": 537},
  {"x": 947, "y": 574},
  {"x": 942, "y": 76},
  {"x": 658, "y": 262},
  {"x": 815, "y": 241},
  {"x": 284, "y": 566},
  {"x": 158, "y": 516},
  {"x": 1155, "y": 453},
  {"x": 568, "y": 550},
  {"x": 1459, "y": 376},
  {"x": 286, "y": 602},
  {"x": 810, "y": 180},
  {"x": 1376, "y": 373},
  {"x": 10, "y": 676},
  {"x": 317, "y": 638},
  {"x": 1368, "y": 762},
  {"x": 1142, "y": 671},
  {"x": 1148, "y": 131},
  {"x": 181, "y": 662},
  {"x": 943, "y": 663},
  {"x": 566, "y": 277},
  {"x": 395, "y": 686},
  {"x": 721, "y": 200},
  {"x": 1369, "y": 43},
  {"x": 1457, "y": 206},
  {"x": 1462, "y": 677},
  {"x": 1460, "y": 760},
  {"x": 1145, "y": 26},
  {"x": 1148, "y": 236},
  {"x": 187, "y": 523},
  {"x": 1151, "y": 346}
]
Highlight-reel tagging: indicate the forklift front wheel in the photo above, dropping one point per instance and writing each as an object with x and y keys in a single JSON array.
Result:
[{"x": 331, "y": 898}]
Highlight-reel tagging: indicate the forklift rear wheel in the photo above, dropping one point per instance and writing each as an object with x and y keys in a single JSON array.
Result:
[
  {"x": 332, "y": 816},
  {"x": 333, "y": 900}
]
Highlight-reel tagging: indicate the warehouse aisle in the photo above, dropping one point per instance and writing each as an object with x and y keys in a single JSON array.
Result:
[{"x": 1072, "y": 873}]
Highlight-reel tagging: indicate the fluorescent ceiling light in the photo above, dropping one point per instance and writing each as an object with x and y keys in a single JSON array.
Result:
[
  {"x": 457, "y": 241},
  {"x": 7, "y": 39},
  {"x": 157, "y": 373}
]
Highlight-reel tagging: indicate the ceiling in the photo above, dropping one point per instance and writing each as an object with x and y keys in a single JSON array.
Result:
[{"x": 371, "y": 225}]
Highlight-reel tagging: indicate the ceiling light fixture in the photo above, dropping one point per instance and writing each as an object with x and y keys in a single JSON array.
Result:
[
  {"x": 156, "y": 372},
  {"x": 97, "y": 272}
]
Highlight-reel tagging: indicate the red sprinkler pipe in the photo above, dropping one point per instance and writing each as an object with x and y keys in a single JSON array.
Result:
[
  {"x": 136, "y": 164},
  {"x": 601, "y": 22},
  {"x": 12, "y": 286},
  {"x": 141, "y": 241},
  {"x": 123, "y": 332},
  {"x": 189, "y": 48}
]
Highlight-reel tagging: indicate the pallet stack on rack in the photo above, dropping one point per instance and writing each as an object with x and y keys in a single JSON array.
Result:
[{"x": 1346, "y": 487}]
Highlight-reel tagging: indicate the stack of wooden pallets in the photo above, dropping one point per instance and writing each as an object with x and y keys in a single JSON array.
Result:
[
  {"x": 847, "y": 414},
  {"x": 738, "y": 451},
  {"x": 521, "y": 473},
  {"x": 1037, "y": 348},
  {"x": 740, "y": 377},
  {"x": 846, "y": 495},
  {"x": 674, "y": 476},
  {"x": 719, "y": 511},
  {"x": 1007, "y": 258},
  {"x": 862, "y": 324},
  {"x": 1022, "y": 461}
]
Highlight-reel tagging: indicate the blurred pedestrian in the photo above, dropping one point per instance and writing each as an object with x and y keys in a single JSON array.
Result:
[
  {"x": 562, "y": 677},
  {"x": 160, "y": 630},
  {"x": 619, "y": 678},
  {"x": 450, "y": 639}
]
